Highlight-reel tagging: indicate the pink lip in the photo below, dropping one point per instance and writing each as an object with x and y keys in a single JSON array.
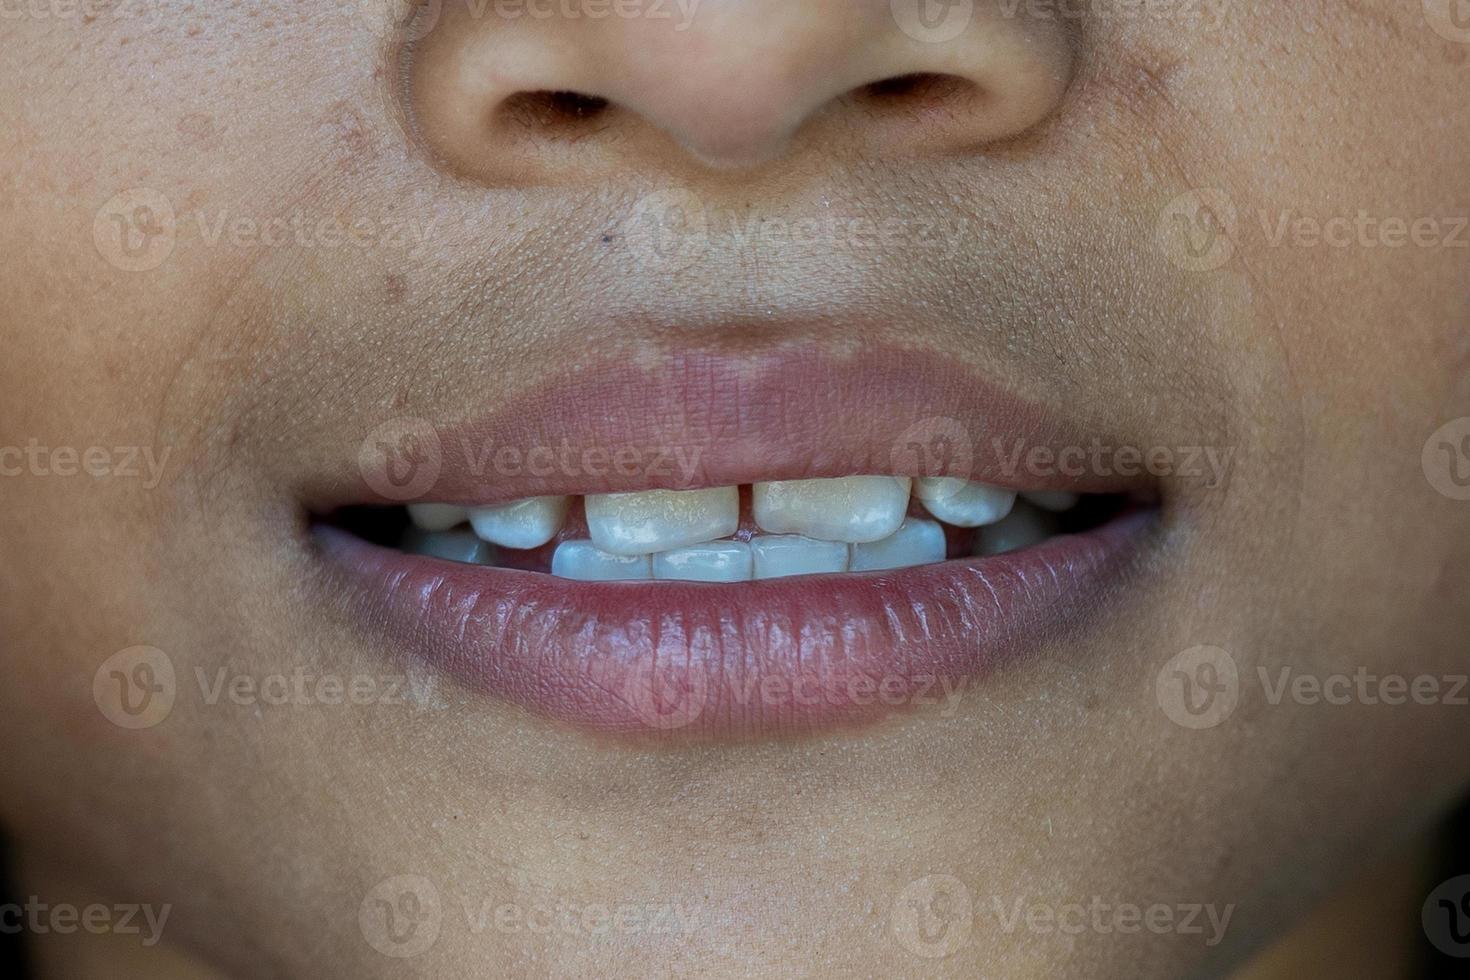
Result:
[
  {"x": 751, "y": 660},
  {"x": 744, "y": 660},
  {"x": 703, "y": 419}
]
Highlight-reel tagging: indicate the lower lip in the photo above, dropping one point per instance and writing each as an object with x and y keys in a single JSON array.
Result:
[{"x": 726, "y": 662}]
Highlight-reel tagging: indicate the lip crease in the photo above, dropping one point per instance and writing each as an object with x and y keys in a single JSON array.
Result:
[{"x": 745, "y": 660}]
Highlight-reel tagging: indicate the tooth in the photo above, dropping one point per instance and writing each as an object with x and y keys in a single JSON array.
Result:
[
  {"x": 661, "y": 520},
  {"x": 437, "y": 517},
  {"x": 718, "y": 561},
  {"x": 585, "y": 562},
  {"x": 458, "y": 546},
  {"x": 1024, "y": 527},
  {"x": 963, "y": 503},
  {"x": 856, "y": 509},
  {"x": 1055, "y": 501},
  {"x": 783, "y": 555},
  {"x": 915, "y": 543},
  {"x": 523, "y": 525}
]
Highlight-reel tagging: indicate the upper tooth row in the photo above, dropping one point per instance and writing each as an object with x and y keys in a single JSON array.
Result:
[{"x": 848, "y": 510}]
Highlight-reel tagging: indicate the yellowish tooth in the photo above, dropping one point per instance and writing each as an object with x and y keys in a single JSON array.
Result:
[
  {"x": 854, "y": 509},
  {"x": 651, "y": 521}
]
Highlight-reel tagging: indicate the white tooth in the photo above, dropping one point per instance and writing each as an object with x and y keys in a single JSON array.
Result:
[
  {"x": 585, "y": 562},
  {"x": 784, "y": 555},
  {"x": 718, "y": 561},
  {"x": 661, "y": 520},
  {"x": 1055, "y": 501},
  {"x": 459, "y": 546},
  {"x": 437, "y": 517},
  {"x": 963, "y": 503},
  {"x": 916, "y": 543},
  {"x": 856, "y": 509},
  {"x": 1024, "y": 527},
  {"x": 523, "y": 525}
]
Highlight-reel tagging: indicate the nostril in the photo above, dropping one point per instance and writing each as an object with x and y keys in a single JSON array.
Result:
[
  {"x": 548, "y": 109},
  {"x": 917, "y": 88}
]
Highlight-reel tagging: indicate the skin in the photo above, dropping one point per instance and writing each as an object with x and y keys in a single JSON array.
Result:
[{"x": 257, "y": 366}]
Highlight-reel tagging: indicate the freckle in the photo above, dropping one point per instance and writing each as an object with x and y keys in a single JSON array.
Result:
[
  {"x": 197, "y": 125},
  {"x": 350, "y": 129},
  {"x": 395, "y": 286}
]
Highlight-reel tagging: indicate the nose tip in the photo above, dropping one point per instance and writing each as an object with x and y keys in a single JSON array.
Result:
[{"x": 737, "y": 86}]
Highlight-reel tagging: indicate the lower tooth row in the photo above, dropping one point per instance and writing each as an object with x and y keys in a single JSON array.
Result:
[{"x": 765, "y": 556}]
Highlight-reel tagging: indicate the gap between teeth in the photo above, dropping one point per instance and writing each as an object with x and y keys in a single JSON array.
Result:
[{"x": 859, "y": 523}]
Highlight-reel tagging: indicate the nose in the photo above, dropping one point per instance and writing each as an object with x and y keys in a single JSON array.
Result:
[{"x": 516, "y": 90}]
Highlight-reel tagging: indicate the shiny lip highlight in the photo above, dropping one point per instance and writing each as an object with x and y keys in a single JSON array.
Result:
[{"x": 750, "y": 659}]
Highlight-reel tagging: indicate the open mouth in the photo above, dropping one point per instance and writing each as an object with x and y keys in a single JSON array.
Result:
[
  {"x": 807, "y": 569},
  {"x": 775, "y": 530}
]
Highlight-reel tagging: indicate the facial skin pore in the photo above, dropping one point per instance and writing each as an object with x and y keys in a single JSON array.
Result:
[{"x": 360, "y": 229}]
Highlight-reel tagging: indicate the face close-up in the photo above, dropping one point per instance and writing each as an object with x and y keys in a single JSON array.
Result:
[{"x": 965, "y": 488}]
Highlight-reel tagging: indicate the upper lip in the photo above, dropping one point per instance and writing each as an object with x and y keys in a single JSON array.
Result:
[{"x": 705, "y": 418}]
